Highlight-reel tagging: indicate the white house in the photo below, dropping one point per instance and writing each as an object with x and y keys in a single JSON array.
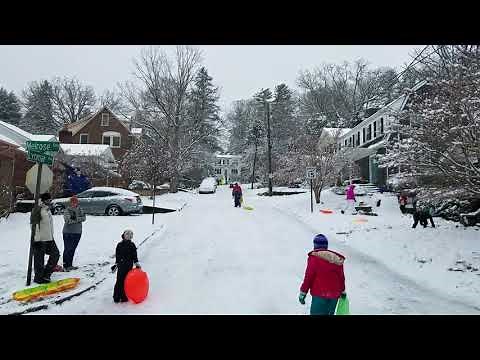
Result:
[
  {"x": 369, "y": 137},
  {"x": 227, "y": 167}
]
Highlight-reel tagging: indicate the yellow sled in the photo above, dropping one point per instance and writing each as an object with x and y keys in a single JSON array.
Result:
[
  {"x": 245, "y": 207},
  {"x": 45, "y": 289}
]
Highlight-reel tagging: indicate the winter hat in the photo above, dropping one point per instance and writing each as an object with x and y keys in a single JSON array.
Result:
[
  {"x": 320, "y": 242},
  {"x": 127, "y": 235}
]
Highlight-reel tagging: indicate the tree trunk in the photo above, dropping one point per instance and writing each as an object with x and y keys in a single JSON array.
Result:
[
  {"x": 254, "y": 163},
  {"x": 318, "y": 191}
]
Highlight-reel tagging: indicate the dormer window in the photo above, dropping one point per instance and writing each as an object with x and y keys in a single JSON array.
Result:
[{"x": 105, "y": 119}]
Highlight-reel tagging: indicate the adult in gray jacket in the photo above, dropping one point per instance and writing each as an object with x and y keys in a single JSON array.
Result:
[
  {"x": 44, "y": 242},
  {"x": 72, "y": 232}
]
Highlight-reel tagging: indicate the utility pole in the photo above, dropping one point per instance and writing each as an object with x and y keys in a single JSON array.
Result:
[{"x": 269, "y": 149}]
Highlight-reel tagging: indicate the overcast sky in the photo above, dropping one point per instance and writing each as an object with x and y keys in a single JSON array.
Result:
[{"x": 239, "y": 71}]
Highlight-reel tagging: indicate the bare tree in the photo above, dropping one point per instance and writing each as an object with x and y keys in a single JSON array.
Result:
[
  {"x": 163, "y": 104},
  {"x": 115, "y": 102},
  {"x": 71, "y": 100}
]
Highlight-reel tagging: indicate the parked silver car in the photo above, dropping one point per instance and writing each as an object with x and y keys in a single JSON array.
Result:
[{"x": 103, "y": 201}]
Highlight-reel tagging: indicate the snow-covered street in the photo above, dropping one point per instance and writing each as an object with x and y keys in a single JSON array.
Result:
[{"x": 212, "y": 258}]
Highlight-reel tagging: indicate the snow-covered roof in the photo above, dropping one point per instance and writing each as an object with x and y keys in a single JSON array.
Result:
[
  {"x": 114, "y": 190},
  {"x": 75, "y": 127},
  {"x": 334, "y": 131},
  {"x": 99, "y": 150},
  {"x": 8, "y": 140},
  {"x": 21, "y": 136}
]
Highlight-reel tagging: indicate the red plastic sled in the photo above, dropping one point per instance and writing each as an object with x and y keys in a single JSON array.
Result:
[
  {"x": 136, "y": 285},
  {"x": 326, "y": 211}
]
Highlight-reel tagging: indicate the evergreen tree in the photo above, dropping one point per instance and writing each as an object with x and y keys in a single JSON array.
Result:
[
  {"x": 204, "y": 110},
  {"x": 38, "y": 104},
  {"x": 9, "y": 107}
]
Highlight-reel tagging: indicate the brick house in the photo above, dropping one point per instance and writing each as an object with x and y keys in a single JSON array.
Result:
[
  {"x": 13, "y": 162},
  {"x": 102, "y": 127}
]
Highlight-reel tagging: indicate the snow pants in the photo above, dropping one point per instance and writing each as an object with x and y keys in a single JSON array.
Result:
[
  {"x": 237, "y": 200},
  {"x": 70, "y": 243},
  {"x": 119, "y": 289},
  {"x": 350, "y": 206},
  {"x": 40, "y": 249},
  {"x": 323, "y": 306}
]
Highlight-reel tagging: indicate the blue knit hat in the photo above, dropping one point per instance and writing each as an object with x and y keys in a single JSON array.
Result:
[{"x": 320, "y": 242}]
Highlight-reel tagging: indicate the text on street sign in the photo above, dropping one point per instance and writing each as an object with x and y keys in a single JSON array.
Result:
[{"x": 42, "y": 146}]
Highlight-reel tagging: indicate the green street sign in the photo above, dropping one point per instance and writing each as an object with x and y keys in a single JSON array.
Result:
[
  {"x": 42, "y": 146},
  {"x": 40, "y": 157}
]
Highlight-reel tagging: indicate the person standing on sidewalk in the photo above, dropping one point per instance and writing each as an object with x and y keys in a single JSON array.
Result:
[
  {"x": 43, "y": 241},
  {"x": 72, "y": 232}
]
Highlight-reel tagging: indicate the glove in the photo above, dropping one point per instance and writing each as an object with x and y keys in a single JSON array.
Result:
[
  {"x": 344, "y": 295},
  {"x": 301, "y": 298},
  {"x": 114, "y": 268}
]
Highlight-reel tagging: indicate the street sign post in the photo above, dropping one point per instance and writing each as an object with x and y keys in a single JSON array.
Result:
[
  {"x": 311, "y": 174},
  {"x": 41, "y": 152}
]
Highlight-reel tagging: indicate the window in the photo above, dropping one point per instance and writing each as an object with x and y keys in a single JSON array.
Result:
[
  {"x": 218, "y": 171},
  {"x": 353, "y": 140},
  {"x": 381, "y": 125},
  {"x": 105, "y": 119},
  {"x": 83, "y": 138},
  {"x": 358, "y": 138},
  {"x": 99, "y": 194},
  {"x": 85, "y": 195},
  {"x": 363, "y": 134},
  {"x": 350, "y": 141},
  {"x": 374, "y": 129},
  {"x": 346, "y": 142},
  {"x": 219, "y": 162},
  {"x": 111, "y": 138},
  {"x": 234, "y": 171},
  {"x": 369, "y": 132}
]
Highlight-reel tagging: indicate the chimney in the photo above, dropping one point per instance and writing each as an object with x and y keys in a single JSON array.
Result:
[{"x": 65, "y": 136}]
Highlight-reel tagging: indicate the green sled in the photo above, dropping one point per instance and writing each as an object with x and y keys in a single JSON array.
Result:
[{"x": 343, "y": 306}]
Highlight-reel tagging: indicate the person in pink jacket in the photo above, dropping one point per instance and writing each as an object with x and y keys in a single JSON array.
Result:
[{"x": 350, "y": 199}]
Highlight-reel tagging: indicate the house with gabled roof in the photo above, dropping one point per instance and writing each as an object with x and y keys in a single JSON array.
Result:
[
  {"x": 102, "y": 127},
  {"x": 369, "y": 137}
]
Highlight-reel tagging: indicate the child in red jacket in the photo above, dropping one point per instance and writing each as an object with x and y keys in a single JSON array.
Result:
[{"x": 324, "y": 278}]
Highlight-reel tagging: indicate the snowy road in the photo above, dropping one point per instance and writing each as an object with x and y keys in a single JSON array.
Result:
[{"x": 216, "y": 259}]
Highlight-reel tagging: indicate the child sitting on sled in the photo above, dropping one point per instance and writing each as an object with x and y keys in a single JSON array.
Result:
[{"x": 125, "y": 258}]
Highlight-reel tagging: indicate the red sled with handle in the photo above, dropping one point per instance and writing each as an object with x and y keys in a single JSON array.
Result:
[{"x": 136, "y": 285}]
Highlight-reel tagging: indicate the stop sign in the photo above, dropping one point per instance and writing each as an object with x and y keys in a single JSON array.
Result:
[{"x": 45, "y": 182}]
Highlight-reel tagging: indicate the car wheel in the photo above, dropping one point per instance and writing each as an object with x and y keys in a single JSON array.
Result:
[
  {"x": 58, "y": 209},
  {"x": 113, "y": 210}
]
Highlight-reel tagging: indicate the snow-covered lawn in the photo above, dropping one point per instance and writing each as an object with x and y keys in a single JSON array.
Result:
[
  {"x": 422, "y": 254},
  {"x": 212, "y": 258}
]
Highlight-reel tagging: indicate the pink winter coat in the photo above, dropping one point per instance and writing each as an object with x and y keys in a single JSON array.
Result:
[{"x": 351, "y": 193}]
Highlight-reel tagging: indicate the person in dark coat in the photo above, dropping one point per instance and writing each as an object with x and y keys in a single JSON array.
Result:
[
  {"x": 237, "y": 194},
  {"x": 422, "y": 215},
  {"x": 324, "y": 278},
  {"x": 125, "y": 259}
]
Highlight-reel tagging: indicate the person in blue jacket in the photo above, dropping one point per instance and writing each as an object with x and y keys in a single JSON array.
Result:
[{"x": 75, "y": 181}]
